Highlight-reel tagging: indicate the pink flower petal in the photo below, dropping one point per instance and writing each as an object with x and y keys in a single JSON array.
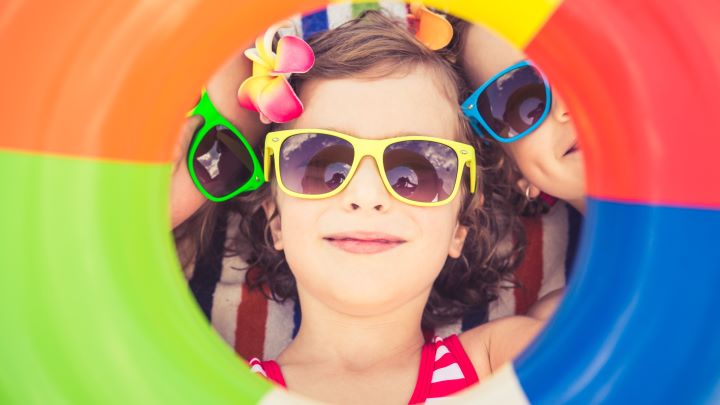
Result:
[
  {"x": 279, "y": 102},
  {"x": 293, "y": 55},
  {"x": 250, "y": 91}
]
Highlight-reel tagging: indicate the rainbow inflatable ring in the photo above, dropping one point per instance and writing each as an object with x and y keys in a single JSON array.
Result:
[{"x": 94, "y": 308}]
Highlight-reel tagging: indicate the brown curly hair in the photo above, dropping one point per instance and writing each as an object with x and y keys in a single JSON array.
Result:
[{"x": 375, "y": 46}]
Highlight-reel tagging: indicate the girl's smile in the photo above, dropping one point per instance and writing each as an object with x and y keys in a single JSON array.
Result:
[
  {"x": 364, "y": 242},
  {"x": 574, "y": 148}
]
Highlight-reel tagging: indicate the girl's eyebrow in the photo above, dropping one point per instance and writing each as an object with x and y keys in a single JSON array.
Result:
[{"x": 336, "y": 129}]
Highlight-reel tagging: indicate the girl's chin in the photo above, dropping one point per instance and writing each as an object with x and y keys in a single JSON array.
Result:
[
  {"x": 572, "y": 194},
  {"x": 363, "y": 307}
]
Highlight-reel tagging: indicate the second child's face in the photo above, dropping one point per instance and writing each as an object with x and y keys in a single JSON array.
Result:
[
  {"x": 548, "y": 157},
  {"x": 325, "y": 241}
]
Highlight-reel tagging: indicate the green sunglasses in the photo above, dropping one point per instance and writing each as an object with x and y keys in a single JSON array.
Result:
[{"x": 220, "y": 160}]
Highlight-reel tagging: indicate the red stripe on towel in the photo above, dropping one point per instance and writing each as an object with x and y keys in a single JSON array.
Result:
[
  {"x": 251, "y": 318},
  {"x": 529, "y": 274}
]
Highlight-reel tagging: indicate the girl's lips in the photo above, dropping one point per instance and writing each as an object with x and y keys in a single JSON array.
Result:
[
  {"x": 364, "y": 243},
  {"x": 574, "y": 148}
]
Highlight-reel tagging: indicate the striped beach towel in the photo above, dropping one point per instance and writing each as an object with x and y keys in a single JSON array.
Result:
[{"x": 337, "y": 13}]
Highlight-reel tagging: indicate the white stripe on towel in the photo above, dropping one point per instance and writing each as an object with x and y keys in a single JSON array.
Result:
[{"x": 278, "y": 328}]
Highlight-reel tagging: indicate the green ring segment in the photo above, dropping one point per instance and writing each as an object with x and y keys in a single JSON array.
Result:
[{"x": 93, "y": 306}]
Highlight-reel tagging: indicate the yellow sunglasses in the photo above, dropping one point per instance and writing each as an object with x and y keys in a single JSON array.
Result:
[{"x": 418, "y": 170}]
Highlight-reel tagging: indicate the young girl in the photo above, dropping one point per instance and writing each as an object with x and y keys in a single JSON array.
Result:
[
  {"x": 514, "y": 107},
  {"x": 372, "y": 221},
  {"x": 537, "y": 134}
]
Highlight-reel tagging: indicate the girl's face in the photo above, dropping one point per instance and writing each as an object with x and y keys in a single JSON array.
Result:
[
  {"x": 338, "y": 247},
  {"x": 548, "y": 158}
]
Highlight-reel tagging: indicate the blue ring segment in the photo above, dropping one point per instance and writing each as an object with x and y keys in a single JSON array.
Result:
[{"x": 640, "y": 321}]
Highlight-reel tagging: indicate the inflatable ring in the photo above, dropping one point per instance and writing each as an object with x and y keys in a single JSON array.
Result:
[{"x": 95, "y": 310}]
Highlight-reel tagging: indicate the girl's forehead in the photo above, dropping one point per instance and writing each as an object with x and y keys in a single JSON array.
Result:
[{"x": 407, "y": 104}]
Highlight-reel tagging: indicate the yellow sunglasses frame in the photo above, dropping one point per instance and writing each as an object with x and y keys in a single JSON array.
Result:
[{"x": 373, "y": 148}]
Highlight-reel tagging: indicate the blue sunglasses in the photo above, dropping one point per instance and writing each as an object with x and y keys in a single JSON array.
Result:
[{"x": 511, "y": 104}]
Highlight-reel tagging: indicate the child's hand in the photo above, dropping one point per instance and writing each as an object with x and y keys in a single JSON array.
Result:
[{"x": 223, "y": 88}]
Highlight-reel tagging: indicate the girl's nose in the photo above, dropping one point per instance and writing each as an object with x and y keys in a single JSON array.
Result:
[
  {"x": 366, "y": 190},
  {"x": 560, "y": 111}
]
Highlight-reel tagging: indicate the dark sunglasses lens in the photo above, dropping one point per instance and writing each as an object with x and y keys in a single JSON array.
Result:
[
  {"x": 514, "y": 102},
  {"x": 421, "y": 171},
  {"x": 314, "y": 164},
  {"x": 222, "y": 163}
]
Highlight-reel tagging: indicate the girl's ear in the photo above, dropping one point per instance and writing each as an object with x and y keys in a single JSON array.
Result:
[
  {"x": 528, "y": 189},
  {"x": 457, "y": 241},
  {"x": 270, "y": 208}
]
